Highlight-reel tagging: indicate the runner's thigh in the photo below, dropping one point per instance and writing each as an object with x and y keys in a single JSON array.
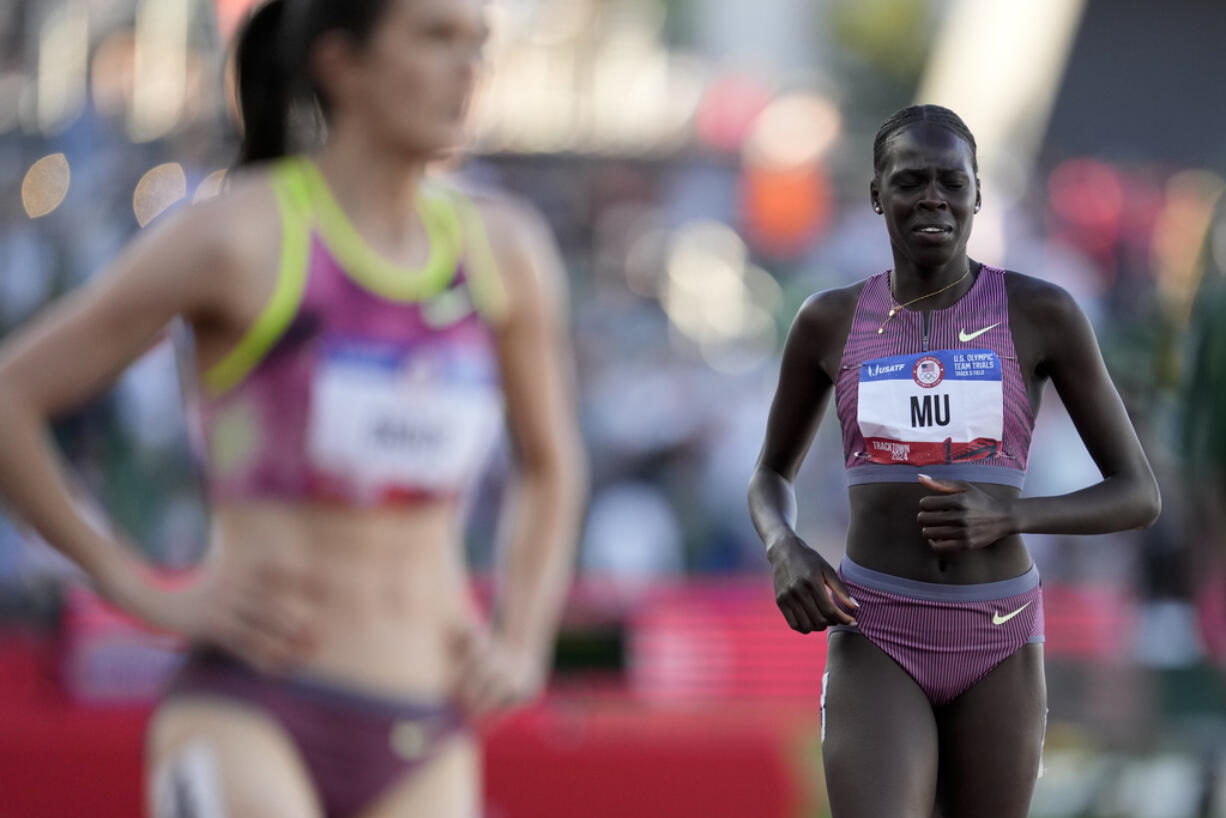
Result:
[
  {"x": 992, "y": 740},
  {"x": 879, "y": 745},
  {"x": 446, "y": 786},
  {"x": 208, "y": 758}
]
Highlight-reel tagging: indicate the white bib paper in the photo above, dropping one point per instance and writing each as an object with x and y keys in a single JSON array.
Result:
[
  {"x": 933, "y": 407},
  {"x": 385, "y": 420}
]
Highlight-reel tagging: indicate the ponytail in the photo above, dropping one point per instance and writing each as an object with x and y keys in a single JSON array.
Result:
[
  {"x": 271, "y": 72},
  {"x": 264, "y": 84}
]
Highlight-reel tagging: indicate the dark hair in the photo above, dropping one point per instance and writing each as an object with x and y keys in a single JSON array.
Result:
[
  {"x": 921, "y": 113},
  {"x": 272, "y": 72}
]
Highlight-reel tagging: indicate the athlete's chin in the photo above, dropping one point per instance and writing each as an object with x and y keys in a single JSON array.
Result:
[
  {"x": 438, "y": 143},
  {"x": 935, "y": 255}
]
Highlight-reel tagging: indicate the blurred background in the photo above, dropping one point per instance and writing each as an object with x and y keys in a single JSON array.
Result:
[{"x": 705, "y": 166}]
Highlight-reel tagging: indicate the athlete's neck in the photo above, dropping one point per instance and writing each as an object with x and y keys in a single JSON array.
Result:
[
  {"x": 375, "y": 185},
  {"x": 909, "y": 281}
]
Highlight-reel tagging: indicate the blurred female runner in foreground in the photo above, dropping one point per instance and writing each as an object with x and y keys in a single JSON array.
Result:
[
  {"x": 934, "y": 690},
  {"x": 358, "y": 331}
]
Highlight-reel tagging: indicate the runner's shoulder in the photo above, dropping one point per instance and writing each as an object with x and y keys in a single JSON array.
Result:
[
  {"x": 1041, "y": 304},
  {"x": 827, "y": 314},
  {"x": 211, "y": 243},
  {"x": 242, "y": 222},
  {"x": 508, "y": 219},
  {"x": 522, "y": 243}
]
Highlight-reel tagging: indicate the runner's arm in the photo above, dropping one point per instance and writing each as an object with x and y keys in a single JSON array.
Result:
[
  {"x": 70, "y": 352},
  {"x": 1127, "y": 497},
  {"x": 549, "y": 489},
  {"x": 806, "y": 586}
]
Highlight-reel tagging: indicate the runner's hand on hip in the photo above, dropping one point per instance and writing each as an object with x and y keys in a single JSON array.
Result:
[
  {"x": 808, "y": 590},
  {"x": 493, "y": 675},
  {"x": 257, "y": 617}
]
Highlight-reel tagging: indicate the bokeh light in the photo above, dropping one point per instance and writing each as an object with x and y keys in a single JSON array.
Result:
[
  {"x": 1181, "y": 231},
  {"x": 729, "y": 108},
  {"x": 45, "y": 185},
  {"x": 160, "y": 68},
  {"x": 157, "y": 190},
  {"x": 719, "y": 301},
  {"x": 1087, "y": 198},
  {"x": 793, "y": 130},
  {"x": 554, "y": 22},
  {"x": 63, "y": 52},
  {"x": 1087, "y": 192},
  {"x": 616, "y": 90},
  {"x": 229, "y": 15},
  {"x": 209, "y": 186},
  {"x": 111, "y": 74},
  {"x": 785, "y": 208}
]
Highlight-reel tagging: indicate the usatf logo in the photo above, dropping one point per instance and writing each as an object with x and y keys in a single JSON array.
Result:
[
  {"x": 883, "y": 369},
  {"x": 928, "y": 372}
]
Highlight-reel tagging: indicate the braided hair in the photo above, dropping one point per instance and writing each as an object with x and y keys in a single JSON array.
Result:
[{"x": 910, "y": 115}]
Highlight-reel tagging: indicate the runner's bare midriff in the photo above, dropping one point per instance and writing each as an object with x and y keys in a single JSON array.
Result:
[
  {"x": 385, "y": 591},
  {"x": 885, "y": 536}
]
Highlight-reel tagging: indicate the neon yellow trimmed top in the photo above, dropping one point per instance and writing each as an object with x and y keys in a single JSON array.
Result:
[{"x": 361, "y": 381}]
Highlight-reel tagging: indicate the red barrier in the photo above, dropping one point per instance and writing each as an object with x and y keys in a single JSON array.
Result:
[
  {"x": 560, "y": 761},
  {"x": 716, "y": 714},
  {"x": 614, "y": 761}
]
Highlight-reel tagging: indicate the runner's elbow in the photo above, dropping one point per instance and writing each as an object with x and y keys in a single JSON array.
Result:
[{"x": 1148, "y": 505}]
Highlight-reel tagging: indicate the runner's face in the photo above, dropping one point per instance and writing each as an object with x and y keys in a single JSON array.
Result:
[
  {"x": 927, "y": 191},
  {"x": 413, "y": 81}
]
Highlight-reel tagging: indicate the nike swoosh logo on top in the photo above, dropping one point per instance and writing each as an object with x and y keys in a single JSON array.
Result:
[
  {"x": 447, "y": 308},
  {"x": 965, "y": 336},
  {"x": 997, "y": 619}
]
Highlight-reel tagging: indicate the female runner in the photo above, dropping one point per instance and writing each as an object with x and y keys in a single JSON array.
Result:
[
  {"x": 934, "y": 690},
  {"x": 359, "y": 331}
]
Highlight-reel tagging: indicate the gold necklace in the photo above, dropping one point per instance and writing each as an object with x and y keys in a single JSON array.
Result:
[{"x": 900, "y": 307}]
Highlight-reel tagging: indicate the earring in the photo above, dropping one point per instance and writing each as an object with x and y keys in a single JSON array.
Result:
[
  {"x": 977, "y": 207},
  {"x": 877, "y": 209}
]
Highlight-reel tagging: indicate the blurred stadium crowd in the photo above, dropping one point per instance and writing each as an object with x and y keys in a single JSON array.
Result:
[{"x": 705, "y": 166}]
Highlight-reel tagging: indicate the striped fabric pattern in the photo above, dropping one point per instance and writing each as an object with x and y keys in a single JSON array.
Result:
[
  {"x": 946, "y": 637},
  {"x": 984, "y": 305}
]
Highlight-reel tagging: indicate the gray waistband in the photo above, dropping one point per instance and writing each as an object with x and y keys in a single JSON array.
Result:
[
  {"x": 338, "y": 694},
  {"x": 938, "y": 591},
  {"x": 207, "y": 665},
  {"x": 905, "y": 473}
]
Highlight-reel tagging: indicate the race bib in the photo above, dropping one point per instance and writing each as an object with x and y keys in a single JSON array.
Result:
[
  {"x": 944, "y": 406},
  {"x": 386, "y": 419}
]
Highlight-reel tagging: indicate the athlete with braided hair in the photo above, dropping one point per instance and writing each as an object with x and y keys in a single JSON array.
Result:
[{"x": 934, "y": 695}]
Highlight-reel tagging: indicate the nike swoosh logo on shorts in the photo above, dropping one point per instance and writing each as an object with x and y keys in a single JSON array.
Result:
[
  {"x": 408, "y": 739},
  {"x": 965, "y": 336},
  {"x": 997, "y": 619}
]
